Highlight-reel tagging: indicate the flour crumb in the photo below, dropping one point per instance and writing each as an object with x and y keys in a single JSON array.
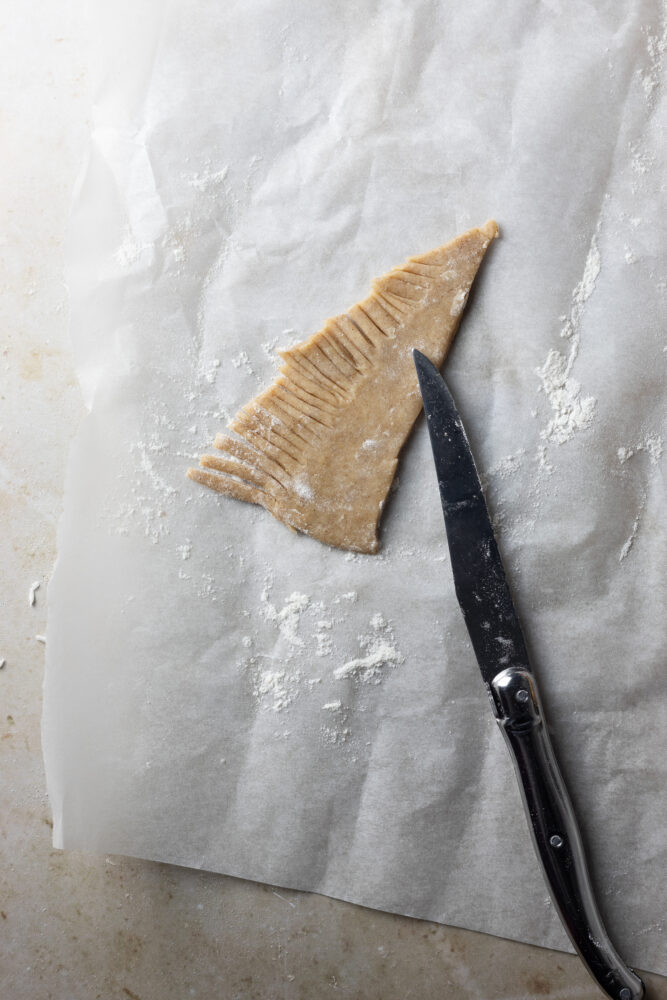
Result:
[
  {"x": 333, "y": 706},
  {"x": 185, "y": 550},
  {"x": 243, "y": 361},
  {"x": 40, "y": 638},
  {"x": 3, "y": 663},
  {"x": 269, "y": 348},
  {"x": 351, "y": 596},
  {"x": 209, "y": 372},
  {"x": 32, "y": 592},
  {"x": 324, "y": 638}
]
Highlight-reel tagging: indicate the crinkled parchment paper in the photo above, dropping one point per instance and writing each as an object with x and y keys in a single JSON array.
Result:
[{"x": 224, "y": 694}]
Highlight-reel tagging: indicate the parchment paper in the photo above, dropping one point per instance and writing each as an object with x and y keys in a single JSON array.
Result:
[{"x": 222, "y": 693}]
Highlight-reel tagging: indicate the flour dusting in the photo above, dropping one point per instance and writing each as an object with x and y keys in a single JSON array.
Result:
[
  {"x": 652, "y": 445},
  {"x": 571, "y": 411},
  {"x": 276, "y": 688},
  {"x": 458, "y": 302},
  {"x": 380, "y": 652},
  {"x": 314, "y": 631},
  {"x": 241, "y": 360},
  {"x": 288, "y": 617},
  {"x": 656, "y": 43}
]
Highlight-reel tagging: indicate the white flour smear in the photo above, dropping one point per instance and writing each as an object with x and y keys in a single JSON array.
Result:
[
  {"x": 653, "y": 446},
  {"x": 379, "y": 651},
  {"x": 571, "y": 411},
  {"x": 629, "y": 542}
]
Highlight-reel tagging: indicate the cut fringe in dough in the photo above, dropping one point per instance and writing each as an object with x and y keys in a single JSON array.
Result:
[{"x": 319, "y": 447}]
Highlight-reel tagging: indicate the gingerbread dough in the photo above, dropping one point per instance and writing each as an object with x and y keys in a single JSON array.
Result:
[{"x": 319, "y": 447}]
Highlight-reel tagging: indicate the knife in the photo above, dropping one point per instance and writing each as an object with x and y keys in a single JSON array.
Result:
[{"x": 495, "y": 632}]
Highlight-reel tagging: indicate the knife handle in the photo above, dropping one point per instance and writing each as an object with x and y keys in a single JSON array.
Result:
[{"x": 555, "y": 832}]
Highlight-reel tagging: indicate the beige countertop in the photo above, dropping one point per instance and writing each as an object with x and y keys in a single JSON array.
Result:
[{"x": 74, "y": 927}]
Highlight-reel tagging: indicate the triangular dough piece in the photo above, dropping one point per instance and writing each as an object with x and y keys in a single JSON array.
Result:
[{"x": 319, "y": 447}]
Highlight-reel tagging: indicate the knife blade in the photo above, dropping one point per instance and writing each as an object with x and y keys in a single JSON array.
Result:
[{"x": 497, "y": 639}]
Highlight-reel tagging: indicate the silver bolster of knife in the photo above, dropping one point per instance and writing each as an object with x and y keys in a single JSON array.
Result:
[{"x": 555, "y": 833}]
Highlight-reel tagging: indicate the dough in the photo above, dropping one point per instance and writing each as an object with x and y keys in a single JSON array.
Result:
[{"x": 319, "y": 447}]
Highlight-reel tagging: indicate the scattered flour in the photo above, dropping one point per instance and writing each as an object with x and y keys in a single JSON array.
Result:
[
  {"x": 276, "y": 689},
  {"x": 288, "y": 617},
  {"x": 130, "y": 251},
  {"x": 243, "y": 361},
  {"x": 208, "y": 181},
  {"x": 505, "y": 467},
  {"x": 209, "y": 371},
  {"x": 656, "y": 43},
  {"x": 379, "y": 651},
  {"x": 571, "y": 412},
  {"x": 652, "y": 445},
  {"x": 309, "y": 628},
  {"x": 337, "y": 731},
  {"x": 350, "y": 595},
  {"x": 269, "y": 348},
  {"x": 640, "y": 161},
  {"x": 151, "y": 495},
  {"x": 543, "y": 463}
]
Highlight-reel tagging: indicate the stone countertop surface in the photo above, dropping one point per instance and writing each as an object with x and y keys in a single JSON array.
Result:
[{"x": 76, "y": 927}]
